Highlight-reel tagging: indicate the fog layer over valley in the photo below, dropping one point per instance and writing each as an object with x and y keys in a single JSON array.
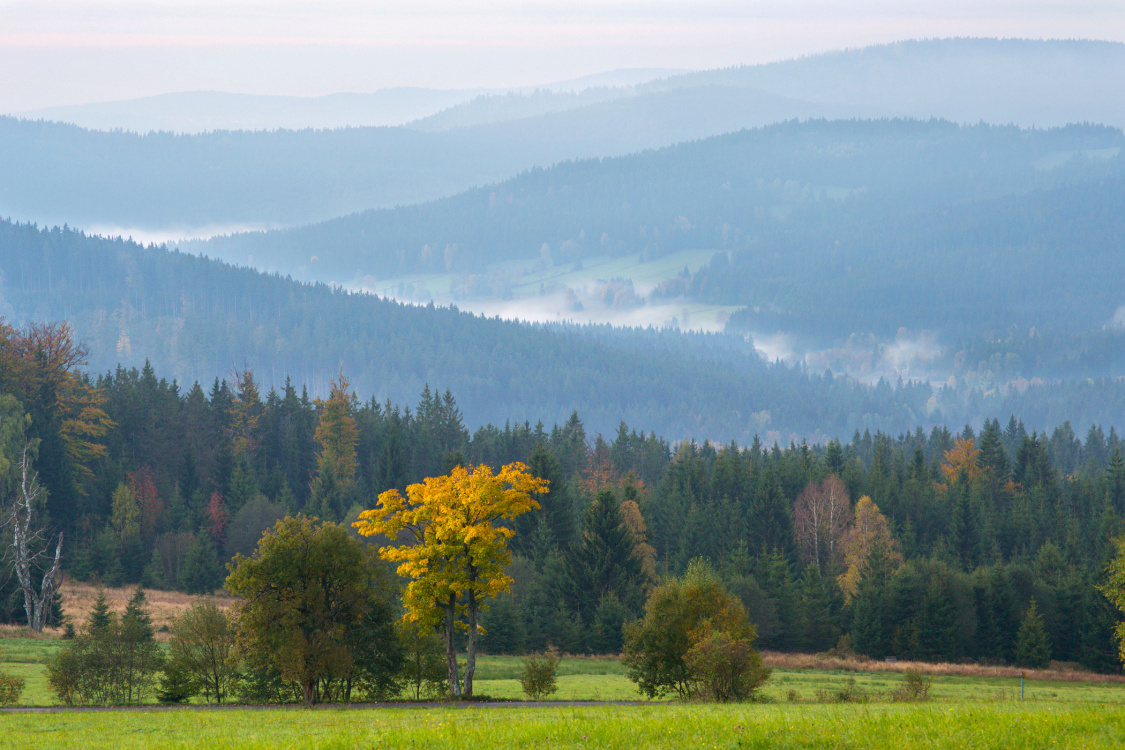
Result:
[{"x": 872, "y": 248}]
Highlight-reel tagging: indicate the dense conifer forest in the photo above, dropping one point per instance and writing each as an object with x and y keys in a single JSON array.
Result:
[{"x": 940, "y": 543}]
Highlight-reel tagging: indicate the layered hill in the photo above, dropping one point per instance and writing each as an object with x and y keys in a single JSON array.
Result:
[
  {"x": 817, "y": 228},
  {"x": 58, "y": 173}
]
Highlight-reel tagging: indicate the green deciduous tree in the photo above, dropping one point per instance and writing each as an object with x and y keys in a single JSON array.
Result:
[
  {"x": 423, "y": 671},
  {"x": 1114, "y": 590},
  {"x": 313, "y": 606}
]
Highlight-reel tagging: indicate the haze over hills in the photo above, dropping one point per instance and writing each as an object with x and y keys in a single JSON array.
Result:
[
  {"x": 193, "y": 112},
  {"x": 203, "y": 111},
  {"x": 57, "y": 174},
  {"x": 198, "y": 319},
  {"x": 817, "y": 231},
  {"x": 980, "y": 257}
]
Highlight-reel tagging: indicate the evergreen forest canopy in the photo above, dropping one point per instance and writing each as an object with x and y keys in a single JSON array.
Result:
[
  {"x": 966, "y": 535},
  {"x": 63, "y": 174},
  {"x": 197, "y": 319}
]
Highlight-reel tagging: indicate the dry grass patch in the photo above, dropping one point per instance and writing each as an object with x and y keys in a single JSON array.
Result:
[
  {"x": 78, "y": 599},
  {"x": 22, "y": 631},
  {"x": 1062, "y": 672}
]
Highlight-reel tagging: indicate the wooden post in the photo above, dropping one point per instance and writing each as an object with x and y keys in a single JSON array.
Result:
[{"x": 1021, "y": 684}]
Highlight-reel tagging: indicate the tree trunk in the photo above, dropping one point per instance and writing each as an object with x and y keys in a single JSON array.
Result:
[
  {"x": 37, "y": 606},
  {"x": 450, "y": 648},
  {"x": 471, "y": 659}
]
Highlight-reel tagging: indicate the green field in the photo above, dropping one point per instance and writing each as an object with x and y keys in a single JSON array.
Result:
[
  {"x": 518, "y": 286},
  {"x": 933, "y": 725},
  {"x": 798, "y": 708},
  {"x": 603, "y": 679}
]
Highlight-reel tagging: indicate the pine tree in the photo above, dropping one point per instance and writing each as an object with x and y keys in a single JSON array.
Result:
[{"x": 1033, "y": 649}]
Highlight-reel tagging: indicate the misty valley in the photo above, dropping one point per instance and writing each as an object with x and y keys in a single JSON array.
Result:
[{"x": 798, "y": 383}]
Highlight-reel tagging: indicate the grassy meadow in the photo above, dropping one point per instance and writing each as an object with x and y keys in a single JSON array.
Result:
[
  {"x": 795, "y": 679},
  {"x": 800, "y": 707},
  {"x": 931, "y": 725}
]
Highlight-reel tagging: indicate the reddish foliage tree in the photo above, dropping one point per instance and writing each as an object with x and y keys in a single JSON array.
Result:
[
  {"x": 217, "y": 518},
  {"x": 143, "y": 484}
]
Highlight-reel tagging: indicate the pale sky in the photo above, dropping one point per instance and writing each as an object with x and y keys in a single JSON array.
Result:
[{"x": 80, "y": 51}]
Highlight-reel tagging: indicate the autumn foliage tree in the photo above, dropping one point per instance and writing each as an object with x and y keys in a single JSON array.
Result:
[
  {"x": 39, "y": 365},
  {"x": 454, "y": 548},
  {"x": 821, "y": 515},
  {"x": 962, "y": 460},
  {"x": 337, "y": 436},
  {"x": 869, "y": 529}
]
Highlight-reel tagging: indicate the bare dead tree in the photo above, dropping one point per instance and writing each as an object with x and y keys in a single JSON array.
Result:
[{"x": 31, "y": 549}]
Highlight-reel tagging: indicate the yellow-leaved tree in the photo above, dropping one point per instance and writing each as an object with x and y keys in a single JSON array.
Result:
[
  {"x": 870, "y": 530},
  {"x": 962, "y": 459},
  {"x": 454, "y": 549}
]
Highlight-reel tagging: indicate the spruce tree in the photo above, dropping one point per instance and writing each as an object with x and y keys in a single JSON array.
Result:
[
  {"x": 202, "y": 572},
  {"x": 818, "y": 630},
  {"x": 605, "y": 561},
  {"x": 1033, "y": 649}
]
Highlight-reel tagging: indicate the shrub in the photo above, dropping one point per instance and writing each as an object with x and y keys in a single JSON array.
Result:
[
  {"x": 678, "y": 615},
  {"x": 202, "y": 649},
  {"x": 915, "y": 687},
  {"x": 11, "y": 688},
  {"x": 725, "y": 669},
  {"x": 538, "y": 678},
  {"x": 850, "y": 692}
]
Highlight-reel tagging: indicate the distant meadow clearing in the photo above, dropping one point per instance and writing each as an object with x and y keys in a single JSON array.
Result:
[{"x": 799, "y": 708}]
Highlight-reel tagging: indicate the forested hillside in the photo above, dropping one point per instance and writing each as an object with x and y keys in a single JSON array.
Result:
[
  {"x": 961, "y": 532},
  {"x": 822, "y": 229},
  {"x": 63, "y": 174},
  {"x": 197, "y": 319}
]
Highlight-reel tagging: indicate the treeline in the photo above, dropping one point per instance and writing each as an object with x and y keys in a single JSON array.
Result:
[{"x": 961, "y": 532}]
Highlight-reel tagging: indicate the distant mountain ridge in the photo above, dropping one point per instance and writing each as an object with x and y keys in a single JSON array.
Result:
[
  {"x": 193, "y": 112},
  {"x": 55, "y": 174},
  {"x": 196, "y": 112}
]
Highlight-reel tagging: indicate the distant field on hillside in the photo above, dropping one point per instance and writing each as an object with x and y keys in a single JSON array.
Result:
[{"x": 603, "y": 290}]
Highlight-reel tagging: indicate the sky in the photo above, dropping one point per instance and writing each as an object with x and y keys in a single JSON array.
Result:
[{"x": 62, "y": 52}]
